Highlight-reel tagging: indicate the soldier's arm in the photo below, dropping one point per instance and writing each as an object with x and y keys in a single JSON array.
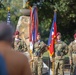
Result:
[
  {"x": 36, "y": 45},
  {"x": 43, "y": 46},
  {"x": 70, "y": 51},
  {"x": 66, "y": 49}
]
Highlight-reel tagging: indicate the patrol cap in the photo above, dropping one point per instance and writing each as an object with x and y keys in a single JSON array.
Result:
[
  {"x": 16, "y": 33},
  {"x": 75, "y": 35},
  {"x": 58, "y": 33}
]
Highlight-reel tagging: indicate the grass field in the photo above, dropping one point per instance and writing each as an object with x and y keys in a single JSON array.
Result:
[{"x": 46, "y": 54}]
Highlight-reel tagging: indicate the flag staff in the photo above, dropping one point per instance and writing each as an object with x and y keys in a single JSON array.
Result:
[
  {"x": 8, "y": 8},
  {"x": 51, "y": 42},
  {"x": 8, "y": 15},
  {"x": 53, "y": 57}
]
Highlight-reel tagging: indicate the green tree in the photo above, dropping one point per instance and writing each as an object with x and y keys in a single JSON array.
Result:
[{"x": 66, "y": 15}]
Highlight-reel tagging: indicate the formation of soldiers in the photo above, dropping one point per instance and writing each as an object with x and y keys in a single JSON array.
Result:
[
  {"x": 39, "y": 48},
  {"x": 61, "y": 49}
]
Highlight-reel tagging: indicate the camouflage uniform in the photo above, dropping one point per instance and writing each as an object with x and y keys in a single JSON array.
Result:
[
  {"x": 72, "y": 56},
  {"x": 60, "y": 51},
  {"x": 20, "y": 45},
  {"x": 38, "y": 50}
]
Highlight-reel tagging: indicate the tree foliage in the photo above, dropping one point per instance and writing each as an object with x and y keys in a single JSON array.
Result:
[{"x": 66, "y": 15}]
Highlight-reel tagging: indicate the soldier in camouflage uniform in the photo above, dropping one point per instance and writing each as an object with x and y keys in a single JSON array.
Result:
[
  {"x": 39, "y": 49},
  {"x": 72, "y": 55},
  {"x": 19, "y": 44},
  {"x": 60, "y": 51}
]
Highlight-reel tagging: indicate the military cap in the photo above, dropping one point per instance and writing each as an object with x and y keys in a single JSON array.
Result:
[
  {"x": 58, "y": 33},
  {"x": 75, "y": 35},
  {"x": 16, "y": 33}
]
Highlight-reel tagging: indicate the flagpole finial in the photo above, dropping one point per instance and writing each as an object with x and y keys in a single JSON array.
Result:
[
  {"x": 8, "y": 8},
  {"x": 55, "y": 10}
]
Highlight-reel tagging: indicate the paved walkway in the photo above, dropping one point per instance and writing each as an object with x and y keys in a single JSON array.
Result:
[
  {"x": 46, "y": 70},
  {"x": 66, "y": 72}
]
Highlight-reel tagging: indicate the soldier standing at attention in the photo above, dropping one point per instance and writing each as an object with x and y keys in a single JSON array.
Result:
[
  {"x": 60, "y": 51},
  {"x": 15, "y": 62},
  {"x": 19, "y": 44},
  {"x": 16, "y": 39},
  {"x": 72, "y": 55},
  {"x": 39, "y": 49}
]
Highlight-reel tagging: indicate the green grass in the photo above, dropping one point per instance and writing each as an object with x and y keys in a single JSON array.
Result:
[{"x": 46, "y": 54}]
